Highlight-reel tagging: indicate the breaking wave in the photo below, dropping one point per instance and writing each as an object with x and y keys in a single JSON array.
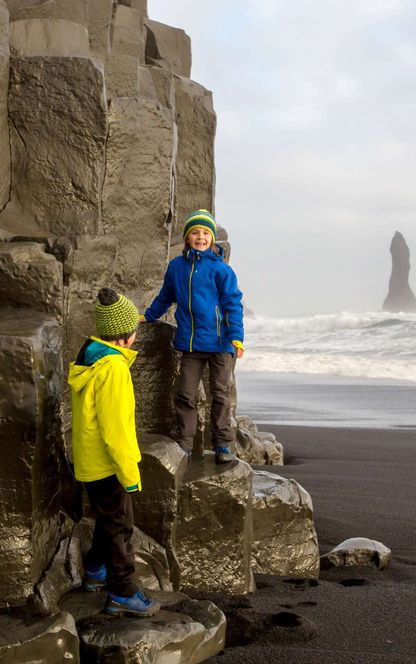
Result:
[{"x": 367, "y": 345}]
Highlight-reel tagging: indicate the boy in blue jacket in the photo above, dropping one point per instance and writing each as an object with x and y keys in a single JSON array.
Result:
[{"x": 209, "y": 315}]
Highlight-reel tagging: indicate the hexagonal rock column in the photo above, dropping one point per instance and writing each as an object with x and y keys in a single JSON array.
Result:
[
  {"x": 73, "y": 10},
  {"x": 31, "y": 446},
  {"x": 195, "y": 170},
  {"x": 154, "y": 374},
  {"x": 184, "y": 632},
  {"x": 212, "y": 535},
  {"x": 138, "y": 191},
  {"x": 128, "y": 32},
  {"x": 162, "y": 468},
  {"x": 168, "y": 47},
  {"x": 92, "y": 267},
  {"x": 44, "y": 36},
  {"x": 58, "y": 115},
  {"x": 284, "y": 536},
  {"x": 51, "y": 640},
  {"x": 30, "y": 277},
  {"x": 201, "y": 514},
  {"x": 4, "y": 85}
]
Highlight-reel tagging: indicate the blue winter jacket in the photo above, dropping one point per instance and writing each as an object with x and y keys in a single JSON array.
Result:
[{"x": 209, "y": 312}]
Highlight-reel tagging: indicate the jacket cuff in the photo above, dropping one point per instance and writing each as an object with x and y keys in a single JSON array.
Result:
[
  {"x": 237, "y": 344},
  {"x": 133, "y": 487}
]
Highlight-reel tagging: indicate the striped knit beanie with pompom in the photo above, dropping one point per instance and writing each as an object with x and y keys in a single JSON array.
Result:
[
  {"x": 198, "y": 219},
  {"x": 116, "y": 317}
]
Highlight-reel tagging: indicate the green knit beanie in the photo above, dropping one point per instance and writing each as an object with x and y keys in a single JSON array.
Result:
[
  {"x": 200, "y": 218},
  {"x": 116, "y": 317}
]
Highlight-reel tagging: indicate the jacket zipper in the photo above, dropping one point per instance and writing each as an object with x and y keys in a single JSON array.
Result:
[
  {"x": 189, "y": 305},
  {"x": 217, "y": 313}
]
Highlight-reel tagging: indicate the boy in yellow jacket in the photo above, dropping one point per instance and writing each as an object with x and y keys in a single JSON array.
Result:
[{"x": 106, "y": 452}]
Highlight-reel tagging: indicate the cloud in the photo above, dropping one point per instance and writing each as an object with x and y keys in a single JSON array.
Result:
[{"x": 316, "y": 108}]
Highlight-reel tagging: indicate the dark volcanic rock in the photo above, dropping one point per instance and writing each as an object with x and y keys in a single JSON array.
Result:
[
  {"x": 32, "y": 446},
  {"x": 284, "y": 536},
  {"x": 201, "y": 514},
  {"x": 400, "y": 296},
  {"x": 51, "y": 640},
  {"x": 185, "y": 630}
]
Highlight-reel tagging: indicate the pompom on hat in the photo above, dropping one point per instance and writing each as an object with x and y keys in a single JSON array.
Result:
[
  {"x": 116, "y": 316},
  {"x": 198, "y": 219}
]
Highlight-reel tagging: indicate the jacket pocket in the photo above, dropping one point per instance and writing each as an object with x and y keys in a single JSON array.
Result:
[{"x": 219, "y": 319}]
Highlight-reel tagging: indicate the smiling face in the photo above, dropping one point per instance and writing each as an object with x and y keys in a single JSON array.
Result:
[{"x": 199, "y": 238}]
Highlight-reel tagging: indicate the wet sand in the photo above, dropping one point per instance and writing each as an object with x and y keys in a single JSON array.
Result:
[{"x": 363, "y": 484}]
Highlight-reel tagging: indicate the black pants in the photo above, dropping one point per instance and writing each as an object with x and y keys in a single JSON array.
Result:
[
  {"x": 192, "y": 368},
  {"x": 111, "y": 542}
]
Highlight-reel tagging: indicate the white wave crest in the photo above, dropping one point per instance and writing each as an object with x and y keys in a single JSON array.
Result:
[
  {"x": 329, "y": 365},
  {"x": 368, "y": 345}
]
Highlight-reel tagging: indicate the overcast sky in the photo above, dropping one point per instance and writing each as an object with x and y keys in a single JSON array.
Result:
[{"x": 316, "y": 142}]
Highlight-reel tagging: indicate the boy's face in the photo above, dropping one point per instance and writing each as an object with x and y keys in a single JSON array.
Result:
[{"x": 199, "y": 238}]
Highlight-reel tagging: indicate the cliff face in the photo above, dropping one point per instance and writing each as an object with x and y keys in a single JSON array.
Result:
[
  {"x": 104, "y": 138},
  {"x": 400, "y": 296},
  {"x": 105, "y": 145}
]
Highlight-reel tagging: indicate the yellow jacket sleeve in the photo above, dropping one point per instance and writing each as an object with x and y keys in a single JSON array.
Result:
[{"x": 115, "y": 408}]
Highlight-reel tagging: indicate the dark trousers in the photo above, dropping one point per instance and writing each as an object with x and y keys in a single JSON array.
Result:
[
  {"x": 111, "y": 542},
  {"x": 192, "y": 368}
]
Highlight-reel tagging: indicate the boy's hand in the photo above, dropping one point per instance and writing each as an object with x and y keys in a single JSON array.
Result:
[{"x": 239, "y": 349}]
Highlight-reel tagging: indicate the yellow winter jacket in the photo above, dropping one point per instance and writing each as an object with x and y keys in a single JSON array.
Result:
[{"x": 104, "y": 438}]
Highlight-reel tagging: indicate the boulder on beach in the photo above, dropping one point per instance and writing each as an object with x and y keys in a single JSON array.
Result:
[
  {"x": 358, "y": 551},
  {"x": 284, "y": 536}
]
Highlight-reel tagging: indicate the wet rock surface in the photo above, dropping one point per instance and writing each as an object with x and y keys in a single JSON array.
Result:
[
  {"x": 32, "y": 448},
  {"x": 154, "y": 374},
  {"x": 185, "y": 631},
  {"x": 151, "y": 563},
  {"x": 257, "y": 447},
  {"x": 201, "y": 514},
  {"x": 284, "y": 537},
  {"x": 400, "y": 296},
  {"x": 213, "y": 529},
  {"x": 357, "y": 551},
  {"x": 64, "y": 574},
  {"x": 51, "y": 640}
]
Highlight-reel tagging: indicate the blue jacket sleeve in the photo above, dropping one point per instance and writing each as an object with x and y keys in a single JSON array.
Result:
[
  {"x": 163, "y": 301},
  {"x": 230, "y": 300}
]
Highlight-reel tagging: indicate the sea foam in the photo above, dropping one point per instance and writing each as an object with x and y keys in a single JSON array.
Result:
[{"x": 367, "y": 345}]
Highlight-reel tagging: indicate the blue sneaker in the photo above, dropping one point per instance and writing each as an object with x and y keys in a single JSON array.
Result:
[
  {"x": 137, "y": 605},
  {"x": 95, "y": 579},
  {"x": 223, "y": 455}
]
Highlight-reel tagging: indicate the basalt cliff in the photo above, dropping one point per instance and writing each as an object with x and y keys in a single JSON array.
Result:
[{"x": 105, "y": 144}]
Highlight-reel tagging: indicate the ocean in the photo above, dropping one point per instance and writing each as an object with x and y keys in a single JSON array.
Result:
[{"x": 345, "y": 369}]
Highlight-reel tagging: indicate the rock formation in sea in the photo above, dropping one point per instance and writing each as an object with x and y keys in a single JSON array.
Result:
[
  {"x": 400, "y": 296},
  {"x": 105, "y": 144}
]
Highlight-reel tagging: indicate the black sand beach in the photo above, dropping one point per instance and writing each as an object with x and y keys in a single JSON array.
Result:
[{"x": 363, "y": 484}]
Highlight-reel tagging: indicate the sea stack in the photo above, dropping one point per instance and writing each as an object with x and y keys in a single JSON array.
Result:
[{"x": 400, "y": 296}]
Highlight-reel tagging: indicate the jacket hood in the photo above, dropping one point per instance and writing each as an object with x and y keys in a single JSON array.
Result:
[
  {"x": 189, "y": 254},
  {"x": 101, "y": 353}
]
